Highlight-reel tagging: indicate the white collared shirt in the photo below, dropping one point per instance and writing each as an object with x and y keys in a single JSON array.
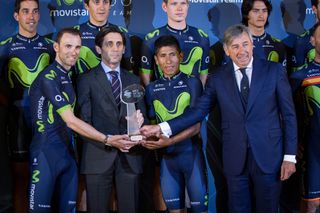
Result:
[
  {"x": 107, "y": 69},
  {"x": 238, "y": 73}
]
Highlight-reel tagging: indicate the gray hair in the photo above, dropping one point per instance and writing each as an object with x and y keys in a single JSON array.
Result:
[{"x": 234, "y": 31}]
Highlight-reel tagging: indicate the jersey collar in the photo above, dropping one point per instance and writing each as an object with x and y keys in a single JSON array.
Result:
[
  {"x": 26, "y": 39},
  {"x": 173, "y": 78},
  {"x": 258, "y": 38},
  {"x": 60, "y": 67},
  {"x": 175, "y": 31},
  {"x": 97, "y": 27}
]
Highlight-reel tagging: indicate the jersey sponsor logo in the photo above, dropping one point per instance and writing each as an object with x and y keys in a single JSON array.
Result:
[
  {"x": 8, "y": 40},
  {"x": 35, "y": 176},
  {"x": 58, "y": 98},
  {"x": 164, "y": 114},
  {"x": 152, "y": 34},
  {"x": 144, "y": 59},
  {"x": 51, "y": 75},
  {"x": 189, "y": 64},
  {"x": 31, "y": 199},
  {"x": 40, "y": 126},
  {"x": 24, "y": 74},
  {"x": 312, "y": 98},
  {"x": 274, "y": 56},
  {"x": 87, "y": 60},
  {"x": 202, "y": 33},
  {"x": 35, "y": 162},
  {"x": 40, "y": 105}
]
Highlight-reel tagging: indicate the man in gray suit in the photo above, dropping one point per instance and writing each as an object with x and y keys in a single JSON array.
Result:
[{"x": 100, "y": 105}]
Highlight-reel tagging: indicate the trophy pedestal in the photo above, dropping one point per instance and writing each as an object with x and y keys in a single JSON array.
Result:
[{"x": 136, "y": 137}]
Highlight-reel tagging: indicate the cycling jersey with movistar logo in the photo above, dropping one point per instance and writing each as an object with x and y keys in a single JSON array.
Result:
[
  {"x": 183, "y": 161},
  {"x": 168, "y": 99},
  {"x": 269, "y": 48},
  {"x": 21, "y": 60},
  {"x": 50, "y": 95},
  {"x": 89, "y": 57},
  {"x": 194, "y": 44},
  {"x": 307, "y": 82},
  {"x": 303, "y": 50},
  {"x": 24, "y": 59}
]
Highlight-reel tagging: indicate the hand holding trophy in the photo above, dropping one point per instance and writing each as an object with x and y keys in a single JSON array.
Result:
[{"x": 131, "y": 95}]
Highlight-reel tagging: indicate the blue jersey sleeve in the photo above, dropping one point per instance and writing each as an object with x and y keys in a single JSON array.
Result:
[
  {"x": 53, "y": 93},
  {"x": 196, "y": 88}
]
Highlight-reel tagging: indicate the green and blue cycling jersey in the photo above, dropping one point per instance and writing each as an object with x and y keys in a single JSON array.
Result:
[
  {"x": 194, "y": 44},
  {"x": 303, "y": 49},
  {"x": 21, "y": 60},
  {"x": 269, "y": 48},
  {"x": 182, "y": 164},
  {"x": 89, "y": 57},
  {"x": 53, "y": 168},
  {"x": 306, "y": 83}
]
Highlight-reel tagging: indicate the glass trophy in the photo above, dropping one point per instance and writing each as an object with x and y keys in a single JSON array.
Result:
[{"x": 131, "y": 95}]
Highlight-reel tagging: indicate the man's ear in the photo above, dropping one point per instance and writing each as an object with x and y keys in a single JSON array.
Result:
[
  {"x": 56, "y": 46},
  {"x": 98, "y": 49},
  {"x": 156, "y": 59},
  {"x": 164, "y": 6},
  {"x": 312, "y": 41},
  {"x": 15, "y": 16}
]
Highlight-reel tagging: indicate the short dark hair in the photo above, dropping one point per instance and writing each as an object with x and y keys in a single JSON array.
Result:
[
  {"x": 314, "y": 3},
  {"x": 247, "y": 5},
  {"x": 17, "y": 4},
  {"x": 87, "y": 2},
  {"x": 69, "y": 30},
  {"x": 165, "y": 41},
  {"x": 100, "y": 36}
]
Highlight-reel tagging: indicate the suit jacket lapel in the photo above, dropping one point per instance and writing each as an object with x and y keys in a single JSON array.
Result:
[
  {"x": 125, "y": 83},
  {"x": 105, "y": 85},
  {"x": 232, "y": 87},
  {"x": 258, "y": 77}
]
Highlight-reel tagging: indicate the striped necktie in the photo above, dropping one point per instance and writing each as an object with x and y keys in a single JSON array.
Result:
[
  {"x": 115, "y": 85},
  {"x": 244, "y": 85}
]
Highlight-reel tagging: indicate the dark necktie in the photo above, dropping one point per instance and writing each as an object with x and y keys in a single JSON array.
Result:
[
  {"x": 244, "y": 85},
  {"x": 115, "y": 85}
]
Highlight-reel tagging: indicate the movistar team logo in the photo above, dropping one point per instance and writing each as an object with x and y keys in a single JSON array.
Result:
[
  {"x": 51, "y": 75},
  {"x": 152, "y": 34},
  {"x": 40, "y": 126},
  {"x": 35, "y": 176},
  {"x": 164, "y": 114},
  {"x": 67, "y": 2}
]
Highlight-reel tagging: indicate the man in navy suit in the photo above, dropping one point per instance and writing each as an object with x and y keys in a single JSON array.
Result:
[{"x": 258, "y": 123}]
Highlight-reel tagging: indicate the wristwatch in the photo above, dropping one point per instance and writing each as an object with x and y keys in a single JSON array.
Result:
[{"x": 106, "y": 144}]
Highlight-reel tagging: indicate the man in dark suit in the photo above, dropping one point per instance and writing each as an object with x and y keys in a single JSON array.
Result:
[
  {"x": 258, "y": 122},
  {"x": 100, "y": 105}
]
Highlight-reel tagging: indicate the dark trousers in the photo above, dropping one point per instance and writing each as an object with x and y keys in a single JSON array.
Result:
[
  {"x": 6, "y": 201},
  {"x": 253, "y": 190},
  {"x": 99, "y": 187}
]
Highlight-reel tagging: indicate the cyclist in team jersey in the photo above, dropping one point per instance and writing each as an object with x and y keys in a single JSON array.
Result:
[
  {"x": 182, "y": 164},
  {"x": 98, "y": 19},
  {"x": 194, "y": 44},
  {"x": 255, "y": 14},
  {"x": 22, "y": 57},
  {"x": 306, "y": 87}
]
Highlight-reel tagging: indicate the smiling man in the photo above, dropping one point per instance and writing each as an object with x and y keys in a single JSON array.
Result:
[
  {"x": 22, "y": 57},
  {"x": 53, "y": 178},
  {"x": 258, "y": 146},
  {"x": 255, "y": 15}
]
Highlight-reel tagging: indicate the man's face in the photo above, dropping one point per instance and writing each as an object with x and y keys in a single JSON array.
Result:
[
  {"x": 98, "y": 11},
  {"x": 258, "y": 15},
  {"x": 112, "y": 49},
  {"x": 315, "y": 41},
  {"x": 316, "y": 11},
  {"x": 67, "y": 50},
  {"x": 177, "y": 10},
  {"x": 168, "y": 58},
  {"x": 240, "y": 50},
  {"x": 28, "y": 18}
]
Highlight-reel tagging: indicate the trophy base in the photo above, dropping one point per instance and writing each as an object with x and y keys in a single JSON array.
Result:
[{"x": 136, "y": 137}]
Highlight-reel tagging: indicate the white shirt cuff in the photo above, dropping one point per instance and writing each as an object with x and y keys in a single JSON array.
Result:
[
  {"x": 290, "y": 158},
  {"x": 165, "y": 129}
]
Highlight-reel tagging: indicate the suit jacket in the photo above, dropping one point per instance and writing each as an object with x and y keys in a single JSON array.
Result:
[
  {"x": 97, "y": 107},
  {"x": 268, "y": 124}
]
